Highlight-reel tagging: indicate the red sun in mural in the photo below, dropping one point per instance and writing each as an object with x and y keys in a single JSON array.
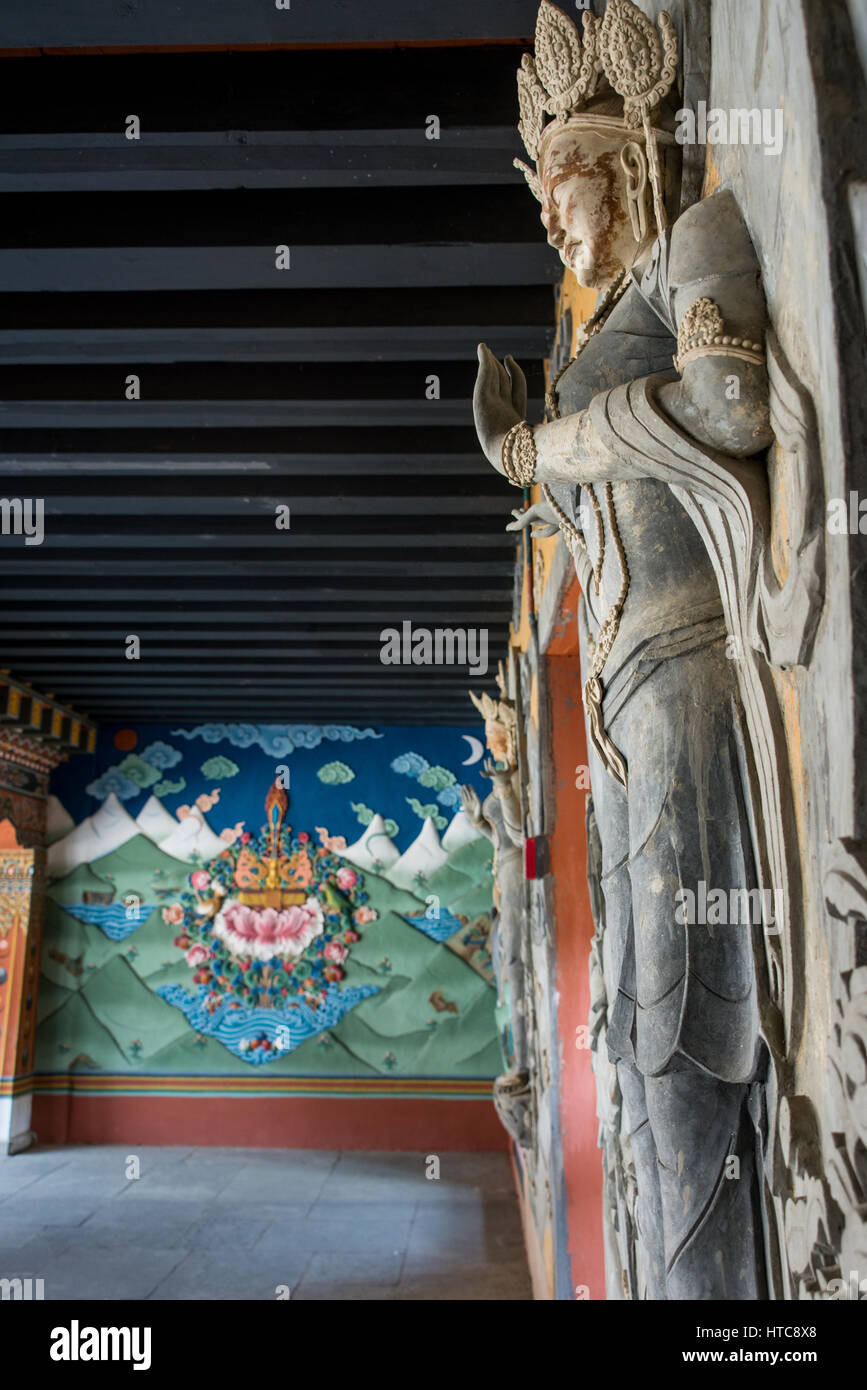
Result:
[{"x": 125, "y": 740}]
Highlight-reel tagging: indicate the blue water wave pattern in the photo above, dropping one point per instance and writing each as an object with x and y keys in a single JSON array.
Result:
[
  {"x": 285, "y": 1028},
  {"x": 115, "y": 920},
  {"x": 438, "y": 928}
]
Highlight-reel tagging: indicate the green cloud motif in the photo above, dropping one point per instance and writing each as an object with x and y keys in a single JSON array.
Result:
[
  {"x": 138, "y": 771},
  {"x": 429, "y": 812},
  {"x": 219, "y": 767},
  {"x": 365, "y": 815},
  {"x": 335, "y": 774},
  {"x": 437, "y": 778},
  {"x": 168, "y": 788}
]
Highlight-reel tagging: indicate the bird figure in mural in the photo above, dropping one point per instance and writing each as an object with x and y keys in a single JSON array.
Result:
[
  {"x": 335, "y": 899},
  {"x": 441, "y": 1004}
]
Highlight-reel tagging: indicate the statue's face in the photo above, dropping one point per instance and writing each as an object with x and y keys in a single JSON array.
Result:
[
  {"x": 584, "y": 207},
  {"x": 497, "y": 739}
]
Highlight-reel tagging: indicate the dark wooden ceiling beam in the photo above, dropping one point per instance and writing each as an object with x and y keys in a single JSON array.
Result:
[
  {"x": 417, "y": 545},
  {"x": 205, "y": 23},
  {"x": 154, "y": 588},
  {"x": 356, "y": 310},
  {"x": 350, "y": 343},
  {"x": 57, "y": 643},
  {"x": 368, "y": 678},
  {"x": 279, "y": 656},
  {"x": 123, "y": 463},
  {"x": 230, "y": 566},
  {"x": 278, "y": 90},
  {"x": 163, "y": 161},
  {"x": 239, "y": 414},
  {"x": 312, "y": 493},
  {"x": 41, "y": 613},
  {"x": 98, "y": 269},
  {"x": 266, "y": 383}
]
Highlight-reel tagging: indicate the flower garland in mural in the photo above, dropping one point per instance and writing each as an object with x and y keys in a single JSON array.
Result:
[{"x": 267, "y": 929}]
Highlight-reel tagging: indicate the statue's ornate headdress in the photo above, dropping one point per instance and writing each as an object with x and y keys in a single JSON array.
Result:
[
  {"x": 501, "y": 711},
  {"x": 624, "y": 48}
]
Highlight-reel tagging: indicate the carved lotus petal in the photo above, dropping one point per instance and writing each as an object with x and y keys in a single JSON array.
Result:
[
  {"x": 531, "y": 101},
  {"x": 566, "y": 67},
  {"x": 639, "y": 67}
]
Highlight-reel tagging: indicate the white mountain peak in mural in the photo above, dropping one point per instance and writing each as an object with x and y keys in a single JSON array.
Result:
[
  {"x": 192, "y": 838},
  {"x": 374, "y": 845},
  {"x": 460, "y": 832},
  {"x": 424, "y": 856},
  {"x": 155, "y": 821},
  {"x": 58, "y": 821},
  {"x": 106, "y": 830}
]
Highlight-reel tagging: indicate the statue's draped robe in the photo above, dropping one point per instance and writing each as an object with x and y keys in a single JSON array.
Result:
[
  {"x": 683, "y": 1023},
  {"x": 503, "y": 819}
]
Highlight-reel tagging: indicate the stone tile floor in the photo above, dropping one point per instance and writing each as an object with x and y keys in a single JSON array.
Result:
[{"x": 227, "y": 1224}]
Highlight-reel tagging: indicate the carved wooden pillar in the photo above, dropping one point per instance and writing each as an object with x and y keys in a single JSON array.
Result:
[{"x": 25, "y": 765}]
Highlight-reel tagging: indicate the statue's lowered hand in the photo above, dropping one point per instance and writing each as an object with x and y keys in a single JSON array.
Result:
[
  {"x": 540, "y": 517},
  {"x": 499, "y": 402}
]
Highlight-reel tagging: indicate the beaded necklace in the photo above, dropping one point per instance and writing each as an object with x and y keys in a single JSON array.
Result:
[{"x": 574, "y": 537}]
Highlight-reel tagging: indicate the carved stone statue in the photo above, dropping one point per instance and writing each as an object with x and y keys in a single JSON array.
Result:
[
  {"x": 642, "y": 469},
  {"x": 499, "y": 818}
]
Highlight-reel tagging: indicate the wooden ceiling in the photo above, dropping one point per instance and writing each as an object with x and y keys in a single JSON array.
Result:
[{"x": 259, "y": 388}]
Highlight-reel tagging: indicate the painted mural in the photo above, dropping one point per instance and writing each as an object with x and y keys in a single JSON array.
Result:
[{"x": 309, "y": 899}]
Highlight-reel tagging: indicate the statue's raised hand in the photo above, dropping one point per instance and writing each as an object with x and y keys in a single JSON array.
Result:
[
  {"x": 499, "y": 402},
  {"x": 471, "y": 804}
]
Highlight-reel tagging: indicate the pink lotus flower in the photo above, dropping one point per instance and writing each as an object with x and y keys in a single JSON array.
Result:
[
  {"x": 266, "y": 932},
  {"x": 200, "y": 880},
  {"x": 335, "y": 950},
  {"x": 172, "y": 915},
  {"x": 346, "y": 879},
  {"x": 363, "y": 915},
  {"x": 197, "y": 955}
]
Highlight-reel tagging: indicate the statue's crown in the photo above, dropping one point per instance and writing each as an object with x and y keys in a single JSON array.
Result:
[
  {"x": 623, "y": 47},
  {"x": 500, "y": 711}
]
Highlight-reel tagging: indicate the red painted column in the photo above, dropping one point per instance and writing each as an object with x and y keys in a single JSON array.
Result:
[{"x": 573, "y": 923}]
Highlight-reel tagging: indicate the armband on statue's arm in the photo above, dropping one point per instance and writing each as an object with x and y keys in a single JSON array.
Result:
[{"x": 562, "y": 451}]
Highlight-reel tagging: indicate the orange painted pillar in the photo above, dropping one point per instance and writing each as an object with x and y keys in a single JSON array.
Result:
[
  {"x": 573, "y": 925},
  {"x": 25, "y": 764},
  {"x": 19, "y": 979}
]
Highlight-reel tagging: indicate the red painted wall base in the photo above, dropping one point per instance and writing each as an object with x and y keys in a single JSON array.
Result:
[{"x": 426, "y": 1124}]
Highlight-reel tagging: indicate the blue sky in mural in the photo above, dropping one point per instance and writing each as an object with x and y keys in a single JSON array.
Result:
[{"x": 258, "y": 750}]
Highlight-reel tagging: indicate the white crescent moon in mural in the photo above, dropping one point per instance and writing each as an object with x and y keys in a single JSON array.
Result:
[{"x": 476, "y": 750}]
